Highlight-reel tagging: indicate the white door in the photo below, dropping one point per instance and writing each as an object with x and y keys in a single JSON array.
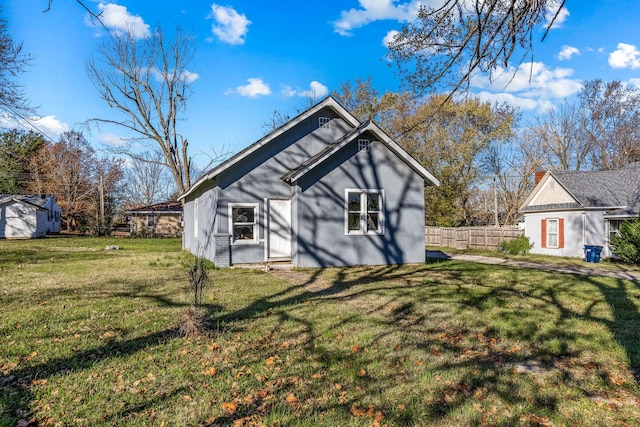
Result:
[{"x": 279, "y": 236}]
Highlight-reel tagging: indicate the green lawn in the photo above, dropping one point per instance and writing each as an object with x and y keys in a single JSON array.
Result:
[
  {"x": 603, "y": 265},
  {"x": 87, "y": 337}
]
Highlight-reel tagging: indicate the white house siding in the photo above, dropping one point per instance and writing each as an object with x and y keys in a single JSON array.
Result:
[
  {"x": 22, "y": 221},
  {"x": 580, "y": 228},
  {"x": 551, "y": 193}
]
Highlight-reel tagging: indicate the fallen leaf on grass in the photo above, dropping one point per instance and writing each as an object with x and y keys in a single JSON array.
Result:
[
  {"x": 357, "y": 412},
  {"x": 270, "y": 361},
  {"x": 214, "y": 346},
  {"x": 291, "y": 399},
  {"x": 361, "y": 412},
  {"x": 361, "y": 373},
  {"x": 32, "y": 355},
  {"x": 436, "y": 351},
  {"x": 210, "y": 371},
  {"x": 229, "y": 407},
  {"x": 356, "y": 349}
]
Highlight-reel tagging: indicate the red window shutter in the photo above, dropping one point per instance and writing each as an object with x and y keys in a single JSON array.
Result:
[
  {"x": 561, "y": 232},
  {"x": 543, "y": 237}
]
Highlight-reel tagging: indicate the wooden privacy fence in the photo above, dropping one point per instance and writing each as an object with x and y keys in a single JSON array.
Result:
[{"x": 471, "y": 237}]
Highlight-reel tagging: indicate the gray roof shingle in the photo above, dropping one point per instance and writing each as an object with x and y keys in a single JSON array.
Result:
[{"x": 600, "y": 189}]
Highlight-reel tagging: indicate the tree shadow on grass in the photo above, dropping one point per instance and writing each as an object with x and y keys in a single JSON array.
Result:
[{"x": 475, "y": 356}]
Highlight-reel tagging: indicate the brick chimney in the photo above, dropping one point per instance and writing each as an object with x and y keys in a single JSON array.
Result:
[{"x": 539, "y": 176}]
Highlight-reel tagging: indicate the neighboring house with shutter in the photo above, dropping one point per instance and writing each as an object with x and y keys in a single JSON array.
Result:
[
  {"x": 570, "y": 209},
  {"x": 157, "y": 220},
  {"x": 321, "y": 190},
  {"x": 28, "y": 216}
]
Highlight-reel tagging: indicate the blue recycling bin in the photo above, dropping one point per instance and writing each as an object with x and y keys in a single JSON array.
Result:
[{"x": 592, "y": 253}]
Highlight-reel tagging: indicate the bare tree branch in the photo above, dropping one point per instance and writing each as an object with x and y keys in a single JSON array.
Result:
[{"x": 148, "y": 83}]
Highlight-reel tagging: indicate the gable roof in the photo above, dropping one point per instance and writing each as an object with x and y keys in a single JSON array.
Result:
[
  {"x": 168, "y": 207},
  {"x": 232, "y": 161},
  {"x": 308, "y": 165},
  {"x": 30, "y": 199},
  {"x": 615, "y": 189}
]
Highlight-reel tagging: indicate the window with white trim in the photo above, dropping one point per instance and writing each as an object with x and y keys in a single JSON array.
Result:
[
  {"x": 552, "y": 233},
  {"x": 323, "y": 122},
  {"x": 364, "y": 211},
  {"x": 363, "y": 145},
  {"x": 151, "y": 220},
  {"x": 243, "y": 222}
]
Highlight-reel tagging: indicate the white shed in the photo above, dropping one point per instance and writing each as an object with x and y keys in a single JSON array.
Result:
[{"x": 28, "y": 216}]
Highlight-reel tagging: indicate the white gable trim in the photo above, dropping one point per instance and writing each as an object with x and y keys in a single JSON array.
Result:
[
  {"x": 384, "y": 139},
  {"x": 327, "y": 102},
  {"x": 540, "y": 185}
]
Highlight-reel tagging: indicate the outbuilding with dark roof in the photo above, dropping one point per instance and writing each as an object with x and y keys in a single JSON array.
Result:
[{"x": 570, "y": 209}]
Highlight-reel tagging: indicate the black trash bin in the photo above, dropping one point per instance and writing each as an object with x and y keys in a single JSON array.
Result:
[{"x": 592, "y": 253}]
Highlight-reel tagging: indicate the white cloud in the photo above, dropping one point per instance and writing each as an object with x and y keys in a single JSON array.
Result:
[
  {"x": 47, "y": 125},
  {"x": 316, "y": 90},
  {"x": 532, "y": 86},
  {"x": 119, "y": 19},
  {"x": 288, "y": 91},
  {"x": 188, "y": 76},
  {"x": 253, "y": 89},
  {"x": 527, "y": 104},
  {"x": 374, "y": 10},
  {"x": 230, "y": 26},
  {"x": 388, "y": 39},
  {"x": 626, "y": 56},
  {"x": 567, "y": 52},
  {"x": 560, "y": 18},
  {"x": 530, "y": 79},
  {"x": 111, "y": 140}
]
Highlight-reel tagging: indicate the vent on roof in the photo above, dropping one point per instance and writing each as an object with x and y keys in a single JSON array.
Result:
[
  {"x": 363, "y": 145},
  {"x": 324, "y": 122}
]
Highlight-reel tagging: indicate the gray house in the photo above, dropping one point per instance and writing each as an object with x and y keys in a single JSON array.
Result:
[
  {"x": 28, "y": 216},
  {"x": 321, "y": 190},
  {"x": 570, "y": 209}
]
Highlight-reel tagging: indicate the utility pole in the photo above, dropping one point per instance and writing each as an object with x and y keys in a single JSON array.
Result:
[
  {"x": 495, "y": 201},
  {"x": 102, "y": 227}
]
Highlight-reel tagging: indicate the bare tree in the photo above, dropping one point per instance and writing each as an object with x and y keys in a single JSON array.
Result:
[
  {"x": 13, "y": 62},
  {"x": 70, "y": 170},
  {"x": 611, "y": 122},
  {"x": 560, "y": 137},
  {"x": 146, "y": 180},
  {"x": 446, "y": 44},
  {"x": 148, "y": 83}
]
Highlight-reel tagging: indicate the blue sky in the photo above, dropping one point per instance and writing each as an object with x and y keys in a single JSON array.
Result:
[{"x": 256, "y": 57}]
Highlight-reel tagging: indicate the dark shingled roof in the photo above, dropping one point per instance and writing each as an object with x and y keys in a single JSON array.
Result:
[
  {"x": 600, "y": 189},
  {"x": 170, "y": 206},
  {"x": 32, "y": 199}
]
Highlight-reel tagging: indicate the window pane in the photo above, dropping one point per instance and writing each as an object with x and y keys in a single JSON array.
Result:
[
  {"x": 353, "y": 201},
  {"x": 373, "y": 222},
  {"x": 552, "y": 226},
  {"x": 373, "y": 202},
  {"x": 553, "y": 240},
  {"x": 354, "y": 222},
  {"x": 243, "y": 214},
  {"x": 242, "y": 232}
]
